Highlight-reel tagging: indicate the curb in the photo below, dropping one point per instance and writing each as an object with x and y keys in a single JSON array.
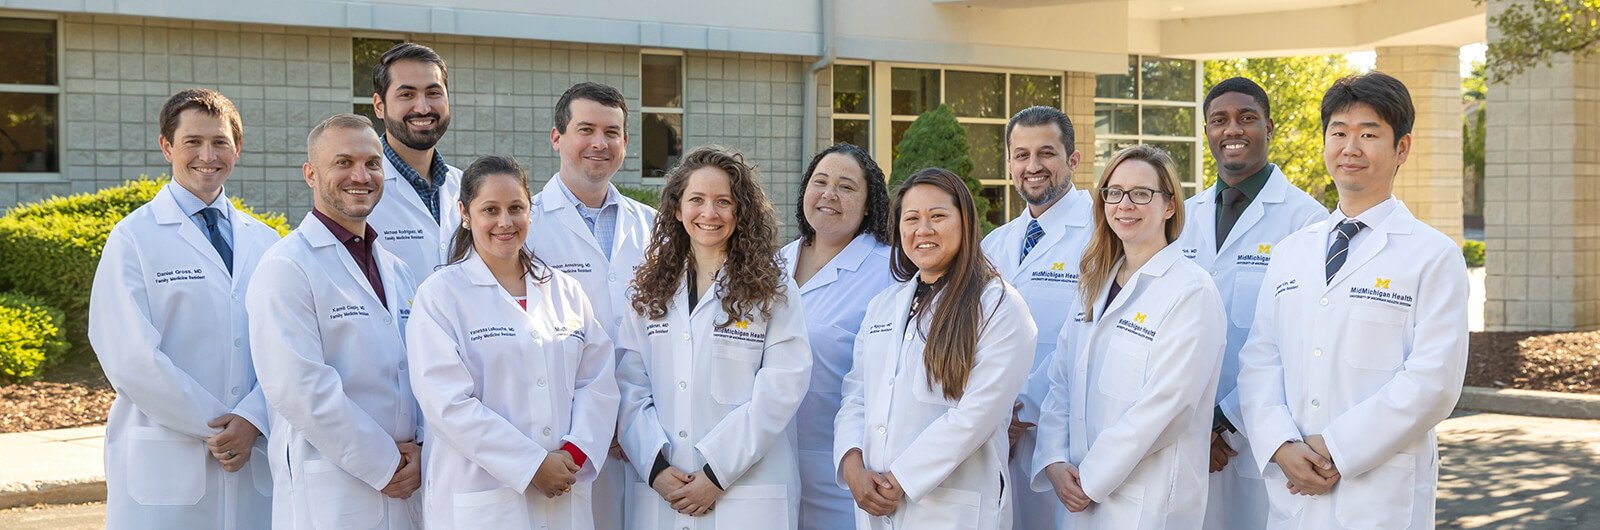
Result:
[
  {"x": 52, "y": 492},
  {"x": 1530, "y": 403}
]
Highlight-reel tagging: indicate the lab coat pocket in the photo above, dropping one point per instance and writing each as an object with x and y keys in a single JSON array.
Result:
[
  {"x": 644, "y": 507},
  {"x": 945, "y": 508},
  {"x": 165, "y": 468},
  {"x": 743, "y": 505},
  {"x": 338, "y": 500},
  {"x": 1122, "y": 369},
  {"x": 496, "y": 508},
  {"x": 1378, "y": 499},
  {"x": 1373, "y": 338},
  {"x": 733, "y": 365},
  {"x": 1242, "y": 307},
  {"x": 1283, "y": 505},
  {"x": 261, "y": 469},
  {"x": 1124, "y": 508}
]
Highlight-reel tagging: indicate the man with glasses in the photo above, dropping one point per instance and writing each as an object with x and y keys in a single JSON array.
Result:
[{"x": 1231, "y": 229}]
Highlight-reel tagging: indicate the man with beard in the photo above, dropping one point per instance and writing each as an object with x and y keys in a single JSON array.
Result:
[
  {"x": 328, "y": 310},
  {"x": 410, "y": 92},
  {"x": 589, "y": 230},
  {"x": 1231, "y": 230},
  {"x": 1038, "y": 252}
]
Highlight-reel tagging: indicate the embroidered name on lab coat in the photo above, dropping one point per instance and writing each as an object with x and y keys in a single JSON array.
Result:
[
  {"x": 1057, "y": 272},
  {"x": 180, "y": 275},
  {"x": 1136, "y": 326},
  {"x": 1285, "y": 287},
  {"x": 1262, "y": 256},
  {"x": 572, "y": 328},
  {"x": 1191, "y": 252},
  {"x": 574, "y": 268},
  {"x": 740, "y": 331},
  {"x": 1380, "y": 292},
  {"x": 352, "y": 310},
  {"x": 404, "y": 234},
  {"x": 659, "y": 328},
  {"x": 880, "y": 328},
  {"x": 490, "y": 332}
]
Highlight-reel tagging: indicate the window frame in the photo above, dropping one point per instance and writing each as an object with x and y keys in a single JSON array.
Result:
[
  {"x": 872, "y": 82},
  {"x": 680, "y": 110},
  {"x": 26, "y": 177},
  {"x": 358, "y": 100},
  {"x": 1196, "y": 163}
]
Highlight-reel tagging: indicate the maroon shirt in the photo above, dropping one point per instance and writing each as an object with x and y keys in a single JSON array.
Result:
[{"x": 361, "y": 249}]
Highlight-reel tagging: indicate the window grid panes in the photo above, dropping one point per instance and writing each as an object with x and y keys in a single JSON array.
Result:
[
  {"x": 29, "y": 96},
  {"x": 852, "y": 104},
  {"x": 661, "y": 118},
  {"x": 364, "y": 55},
  {"x": 1154, "y": 102}
]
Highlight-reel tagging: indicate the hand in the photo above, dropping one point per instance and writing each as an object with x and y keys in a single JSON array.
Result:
[
  {"x": 616, "y": 449},
  {"x": 867, "y": 487},
  {"x": 408, "y": 475},
  {"x": 1068, "y": 487},
  {"x": 696, "y": 497},
  {"x": 669, "y": 481},
  {"x": 1305, "y": 469},
  {"x": 556, "y": 474},
  {"x": 1220, "y": 452},
  {"x": 231, "y": 447},
  {"x": 1320, "y": 445},
  {"x": 1017, "y": 428}
]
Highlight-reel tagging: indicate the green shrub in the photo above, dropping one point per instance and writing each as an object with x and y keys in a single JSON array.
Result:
[
  {"x": 30, "y": 336},
  {"x": 52, "y": 247},
  {"x": 649, "y": 196},
  {"x": 936, "y": 139},
  {"x": 1473, "y": 251}
]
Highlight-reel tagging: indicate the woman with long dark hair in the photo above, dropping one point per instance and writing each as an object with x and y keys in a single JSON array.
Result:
[
  {"x": 947, "y": 350},
  {"x": 1131, "y": 385},
  {"x": 840, "y": 261},
  {"x": 714, "y": 357},
  {"x": 512, "y": 371}
]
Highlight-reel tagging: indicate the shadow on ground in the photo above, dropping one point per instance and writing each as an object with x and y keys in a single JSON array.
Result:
[{"x": 1510, "y": 472}]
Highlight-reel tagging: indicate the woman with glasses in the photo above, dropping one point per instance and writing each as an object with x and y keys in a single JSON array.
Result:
[
  {"x": 1124, "y": 434},
  {"x": 920, "y": 439}
]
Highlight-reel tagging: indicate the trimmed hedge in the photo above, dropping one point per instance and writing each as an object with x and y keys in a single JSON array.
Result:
[
  {"x": 1473, "y": 252},
  {"x": 649, "y": 196},
  {"x": 52, "y": 247},
  {"x": 30, "y": 336}
]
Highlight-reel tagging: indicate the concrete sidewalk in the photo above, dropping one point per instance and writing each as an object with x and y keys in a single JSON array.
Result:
[{"x": 53, "y": 467}]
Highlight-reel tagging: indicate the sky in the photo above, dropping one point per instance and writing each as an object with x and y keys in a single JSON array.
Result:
[{"x": 1367, "y": 60}]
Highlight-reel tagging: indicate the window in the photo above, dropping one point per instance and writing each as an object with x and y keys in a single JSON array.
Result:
[
  {"x": 1154, "y": 102},
  {"x": 852, "y": 104},
  {"x": 364, "y": 55},
  {"x": 661, "y": 118},
  {"x": 982, "y": 101},
  {"x": 30, "y": 93}
]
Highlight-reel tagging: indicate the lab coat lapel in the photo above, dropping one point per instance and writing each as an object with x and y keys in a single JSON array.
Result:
[
  {"x": 1399, "y": 221},
  {"x": 568, "y": 214},
  {"x": 319, "y": 237},
  {"x": 168, "y": 213},
  {"x": 394, "y": 184}
]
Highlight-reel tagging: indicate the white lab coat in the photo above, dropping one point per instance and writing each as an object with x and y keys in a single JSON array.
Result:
[
  {"x": 500, "y": 388},
  {"x": 168, "y": 324},
  {"x": 948, "y": 455},
  {"x": 1132, "y": 407},
  {"x": 407, "y": 229},
  {"x": 1238, "y": 498},
  {"x": 559, "y": 237},
  {"x": 724, "y": 396},
  {"x": 835, "y": 300},
  {"x": 1048, "y": 280},
  {"x": 332, "y": 363},
  {"x": 1371, "y": 361}
]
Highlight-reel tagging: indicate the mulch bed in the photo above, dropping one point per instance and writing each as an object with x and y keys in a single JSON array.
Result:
[{"x": 1557, "y": 362}]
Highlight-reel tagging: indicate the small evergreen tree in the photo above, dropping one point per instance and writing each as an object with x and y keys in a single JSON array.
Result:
[{"x": 936, "y": 139}]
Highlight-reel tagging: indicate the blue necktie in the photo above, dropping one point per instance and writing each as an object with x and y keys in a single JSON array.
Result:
[
  {"x": 215, "y": 235},
  {"x": 1035, "y": 232},
  {"x": 1340, "y": 249}
]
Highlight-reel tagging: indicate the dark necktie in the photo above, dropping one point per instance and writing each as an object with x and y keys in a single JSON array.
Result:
[
  {"x": 215, "y": 235},
  {"x": 1340, "y": 249},
  {"x": 1035, "y": 232},
  {"x": 1233, "y": 203}
]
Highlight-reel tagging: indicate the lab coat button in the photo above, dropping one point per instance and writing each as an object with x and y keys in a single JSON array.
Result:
[
  {"x": 908, "y": 335},
  {"x": 685, "y": 335},
  {"x": 683, "y": 434},
  {"x": 238, "y": 342},
  {"x": 882, "y": 429},
  {"x": 541, "y": 382},
  {"x": 235, "y": 296},
  {"x": 387, "y": 320},
  {"x": 1315, "y": 403},
  {"x": 617, "y": 321},
  {"x": 613, "y": 277},
  {"x": 233, "y": 391},
  {"x": 402, "y": 366},
  {"x": 546, "y": 431},
  {"x": 683, "y": 385},
  {"x": 1323, "y": 301},
  {"x": 1317, "y": 352}
]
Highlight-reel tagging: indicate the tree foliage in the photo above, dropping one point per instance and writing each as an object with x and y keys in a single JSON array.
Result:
[
  {"x": 1532, "y": 33},
  {"x": 1295, "y": 86},
  {"x": 936, "y": 139}
]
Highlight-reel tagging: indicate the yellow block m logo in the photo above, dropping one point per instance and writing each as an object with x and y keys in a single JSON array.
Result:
[
  {"x": 1382, "y": 283},
  {"x": 742, "y": 324},
  {"x": 1263, "y": 249},
  {"x": 1057, "y": 266},
  {"x": 1139, "y": 317}
]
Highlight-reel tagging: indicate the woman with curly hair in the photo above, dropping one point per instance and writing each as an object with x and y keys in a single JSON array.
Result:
[
  {"x": 715, "y": 358},
  {"x": 946, "y": 351},
  {"x": 840, "y": 261}
]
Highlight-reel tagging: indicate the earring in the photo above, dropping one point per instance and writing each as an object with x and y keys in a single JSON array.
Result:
[{"x": 464, "y": 225}]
